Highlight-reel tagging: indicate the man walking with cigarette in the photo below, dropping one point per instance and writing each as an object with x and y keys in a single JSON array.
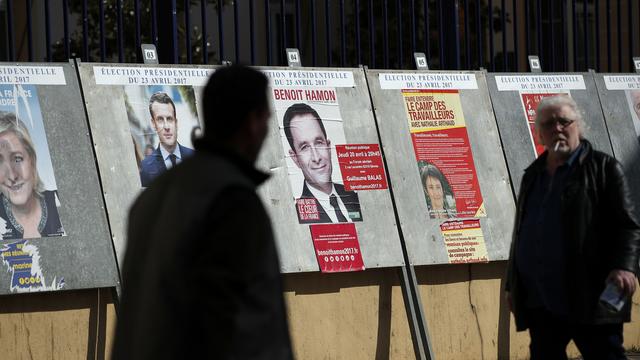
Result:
[{"x": 574, "y": 255}]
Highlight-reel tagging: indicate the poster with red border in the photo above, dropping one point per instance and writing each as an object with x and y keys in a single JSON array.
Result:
[
  {"x": 443, "y": 153},
  {"x": 337, "y": 247},
  {"x": 464, "y": 241},
  {"x": 530, "y": 103},
  {"x": 361, "y": 166}
]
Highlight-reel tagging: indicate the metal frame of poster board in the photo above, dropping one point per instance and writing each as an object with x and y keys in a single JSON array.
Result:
[
  {"x": 512, "y": 123},
  {"x": 117, "y": 107},
  {"x": 424, "y": 235},
  {"x": 377, "y": 232},
  {"x": 620, "y": 100},
  {"x": 79, "y": 255}
]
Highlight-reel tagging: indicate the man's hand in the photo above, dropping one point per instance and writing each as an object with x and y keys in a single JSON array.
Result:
[{"x": 624, "y": 280}]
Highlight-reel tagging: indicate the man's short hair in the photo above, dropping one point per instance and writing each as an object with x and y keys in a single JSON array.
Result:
[
  {"x": 162, "y": 98},
  {"x": 299, "y": 109},
  {"x": 232, "y": 93},
  {"x": 556, "y": 102}
]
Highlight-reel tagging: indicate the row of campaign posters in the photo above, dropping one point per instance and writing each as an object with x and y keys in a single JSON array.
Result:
[{"x": 326, "y": 173}]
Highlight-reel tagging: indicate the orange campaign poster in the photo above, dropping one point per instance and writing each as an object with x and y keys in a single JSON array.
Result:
[
  {"x": 443, "y": 153},
  {"x": 530, "y": 103},
  {"x": 464, "y": 241}
]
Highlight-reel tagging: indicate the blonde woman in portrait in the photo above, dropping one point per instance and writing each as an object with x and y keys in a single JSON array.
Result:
[{"x": 29, "y": 210}]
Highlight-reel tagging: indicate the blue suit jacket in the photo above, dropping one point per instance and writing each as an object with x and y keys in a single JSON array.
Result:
[{"x": 153, "y": 165}]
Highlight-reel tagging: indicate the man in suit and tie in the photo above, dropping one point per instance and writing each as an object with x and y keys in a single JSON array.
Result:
[
  {"x": 168, "y": 153},
  {"x": 323, "y": 200}
]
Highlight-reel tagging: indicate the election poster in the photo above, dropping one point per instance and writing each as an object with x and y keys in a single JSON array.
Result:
[
  {"x": 534, "y": 88},
  {"x": 311, "y": 128},
  {"x": 362, "y": 167},
  {"x": 161, "y": 119},
  {"x": 633, "y": 99},
  {"x": 630, "y": 84},
  {"x": 162, "y": 111},
  {"x": 530, "y": 102},
  {"x": 29, "y": 195},
  {"x": 337, "y": 248},
  {"x": 464, "y": 241},
  {"x": 443, "y": 153},
  {"x": 22, "y": 260}
]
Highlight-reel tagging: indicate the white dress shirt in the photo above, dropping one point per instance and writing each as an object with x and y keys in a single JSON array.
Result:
[
  {"x": 167, "y": 160},
  {"x": 323, "y": 200}
]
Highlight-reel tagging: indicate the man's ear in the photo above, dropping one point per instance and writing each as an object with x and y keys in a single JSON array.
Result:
[{"x": 294, "y": 157}]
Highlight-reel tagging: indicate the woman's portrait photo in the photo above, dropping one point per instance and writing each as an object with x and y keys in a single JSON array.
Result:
[
  {"x": 28, "y": 203},
  {"x": 440, "y": 199}
]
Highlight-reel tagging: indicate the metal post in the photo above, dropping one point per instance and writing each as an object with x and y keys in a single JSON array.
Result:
[
  {"x": 103, "y": 46},
  {"x": 205, "y": 43},
  {"x": 492, "y": 63},
  {"x": 503, "y": 16},
  {"x": 451, "y": 33},
  {"x": 165, "y": 33},
  {"x": 187, "y": 30},
  {"x": 47, "y": 29},
  {"x": 29, "y": 6}
]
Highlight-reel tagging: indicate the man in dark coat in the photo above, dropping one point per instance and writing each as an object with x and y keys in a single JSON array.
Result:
[
  {"x": 575, "y": 232},
  {"x": 203, "y": 281}
]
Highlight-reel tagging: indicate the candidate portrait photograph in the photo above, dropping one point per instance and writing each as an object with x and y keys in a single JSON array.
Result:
[
  {"x": 161, "y": 119},
  {"x": 29, "y": 199},
  {"x": 309, "y": 141}
]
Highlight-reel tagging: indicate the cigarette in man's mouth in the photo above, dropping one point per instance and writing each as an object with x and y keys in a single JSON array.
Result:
[{"x": 555, "y": 148}]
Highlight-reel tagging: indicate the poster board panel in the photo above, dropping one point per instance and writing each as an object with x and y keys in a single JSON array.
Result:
[
  {"x": 509, "y": 95},
  {"x": 620, "y": 100},
  {"x": 348, "y": 120},
  {"x": 127, "y": 141},
  {"x": 444, "y": 120},
  {"x": 54, "y": 228}
]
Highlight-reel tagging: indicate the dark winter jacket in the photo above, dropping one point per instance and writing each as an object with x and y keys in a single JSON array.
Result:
[{"x": 601, "y": 234}]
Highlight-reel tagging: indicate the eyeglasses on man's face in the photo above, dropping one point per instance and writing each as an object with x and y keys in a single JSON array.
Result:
[{"x": 552, "y": 123}]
